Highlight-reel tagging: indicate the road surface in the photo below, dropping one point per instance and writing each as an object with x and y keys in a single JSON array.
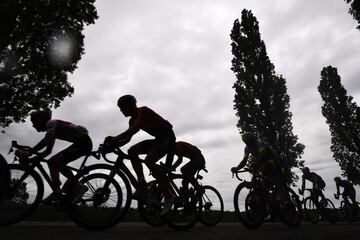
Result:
[{"x": 141, "y": 231}]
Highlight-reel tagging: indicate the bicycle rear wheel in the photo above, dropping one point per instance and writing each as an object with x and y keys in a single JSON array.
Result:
[
  {"x": 186, "y": 209},
  {"x": 104, "y": 204},
  {"x": 249, "y": 207},
  {"x": 25, "y": 193},
  {"x": 212, "y": 206}
]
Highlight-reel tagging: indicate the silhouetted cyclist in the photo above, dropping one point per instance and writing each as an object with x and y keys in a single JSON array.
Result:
[
  {"x": 197, "y": 162},
  {"x": 348, "y": 189},
  {"x": 66, "y": 131},
  {"x": 317, "y": 181},
  {"x": 143, "y": 118},
  {"x": 264, "y": 161}
]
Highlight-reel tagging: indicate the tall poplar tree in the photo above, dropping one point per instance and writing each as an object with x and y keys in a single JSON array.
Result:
[
  {"x": 343, "y": 117},
  {"x": 261, "y": 100}
]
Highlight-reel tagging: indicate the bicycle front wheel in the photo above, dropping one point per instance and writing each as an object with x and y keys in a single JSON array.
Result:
[
  {"x": 212, "y": 206},
  {"x": 103, "y": 205},
  {"x": 150, "y": 209},
  {"x": 329, "y": 211},
  {"x": 291, "y": 211},
  {"x": 311, "y": 210},
  {"x": 186, "y": 209},
  {"x": 347, "y": 211},
  {"x": 25, "y": 193},
  {"x": 249, "y": 207}
]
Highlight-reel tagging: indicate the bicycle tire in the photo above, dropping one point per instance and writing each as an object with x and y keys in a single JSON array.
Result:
[
  {"x": 185, "y": 212},
  {"x": 212, "y": 206},
  {"x": 101, "y": 208},
  {"x": 21, "y": 202},
  {"x": 329, "y": 211},
  {"x": 311, "y": 210},
  {"x": 241, "y": 199},
  {"x": 150, "y": 212}
]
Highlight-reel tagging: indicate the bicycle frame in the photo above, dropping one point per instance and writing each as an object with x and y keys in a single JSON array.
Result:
[{"x": 36, "y": 163}]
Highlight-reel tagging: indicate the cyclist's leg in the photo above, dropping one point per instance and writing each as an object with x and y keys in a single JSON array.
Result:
[
  {"x": 189, "y": 170},
  {"x": 59, "y": 162},
  {"x": 134, "y": 151}
]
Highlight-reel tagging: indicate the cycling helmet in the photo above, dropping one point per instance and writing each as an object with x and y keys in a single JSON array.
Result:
[
  {"x": 40, "y": 116},
  {"x": 248, "y": 137},
  {"x": 336, "y": 179},
  {"x": 127, "y": 100}
]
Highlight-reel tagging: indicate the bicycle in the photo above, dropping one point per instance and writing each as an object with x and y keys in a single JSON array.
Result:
[
  {"x": 27, "y": 188},
  {"x": 4, "y": 177},
  {"x": 149, "y": 205},
  {"x": 316, "y": 210},
  {"x": 192, "y": 204},
  {"x": 255, "y": 203},
  {"x": 349, "y": 210}
]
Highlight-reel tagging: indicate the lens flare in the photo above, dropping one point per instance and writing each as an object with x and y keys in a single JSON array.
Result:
[{"x": 62, "y": 50}]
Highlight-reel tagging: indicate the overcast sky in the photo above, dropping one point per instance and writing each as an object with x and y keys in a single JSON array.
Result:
[{"x": 175, "y": 57}]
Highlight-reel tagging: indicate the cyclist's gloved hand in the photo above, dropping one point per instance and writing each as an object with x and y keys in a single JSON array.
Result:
[
  {"x": 22, "y": 153},
  {"x": 234, "y": 169}
]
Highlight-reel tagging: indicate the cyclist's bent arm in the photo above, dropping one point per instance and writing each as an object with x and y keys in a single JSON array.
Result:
[
  {"x": 48, "y": 142},
  {"x": 126, "y": 136},
  {"x": 245, "y": 159}
]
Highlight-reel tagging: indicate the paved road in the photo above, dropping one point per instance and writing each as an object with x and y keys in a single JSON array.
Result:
[{"x": 224, "y": 231}]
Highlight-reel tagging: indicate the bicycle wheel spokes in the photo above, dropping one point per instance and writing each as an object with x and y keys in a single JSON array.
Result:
[
  {"x": 212, "y": 206},
  {"x": 311, "y": 211},
  {"x": 102, "y": 205},
  {"x": 24, "y": 196}
]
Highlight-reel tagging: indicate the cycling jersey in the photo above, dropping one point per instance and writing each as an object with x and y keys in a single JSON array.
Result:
[
  {"x": 59, "y": 129},
  {"x": 317, "y": 181},
  {"x": 261, "y": 152},
  {"x": 189, "y": 151},
  {"x": 151, "y": 122}
]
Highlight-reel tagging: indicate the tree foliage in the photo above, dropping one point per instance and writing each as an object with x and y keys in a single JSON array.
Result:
[
  {"x": 343, "y": 117},
  {"x": 41, "y": 42},
  {"x": 261, "y": 100},
  {"x": 354, "y": 10}
]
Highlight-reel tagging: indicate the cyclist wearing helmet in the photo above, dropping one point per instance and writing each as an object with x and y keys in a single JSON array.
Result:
[
  {"x": 66, "y": 131},
  {"x": 348, "y": 192},
  {"x": 317, "y": 181},
  {"x": 264, "y": 161},
  {"x": 197, "y": 162},
  {"x": 143, "y": 118}
]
